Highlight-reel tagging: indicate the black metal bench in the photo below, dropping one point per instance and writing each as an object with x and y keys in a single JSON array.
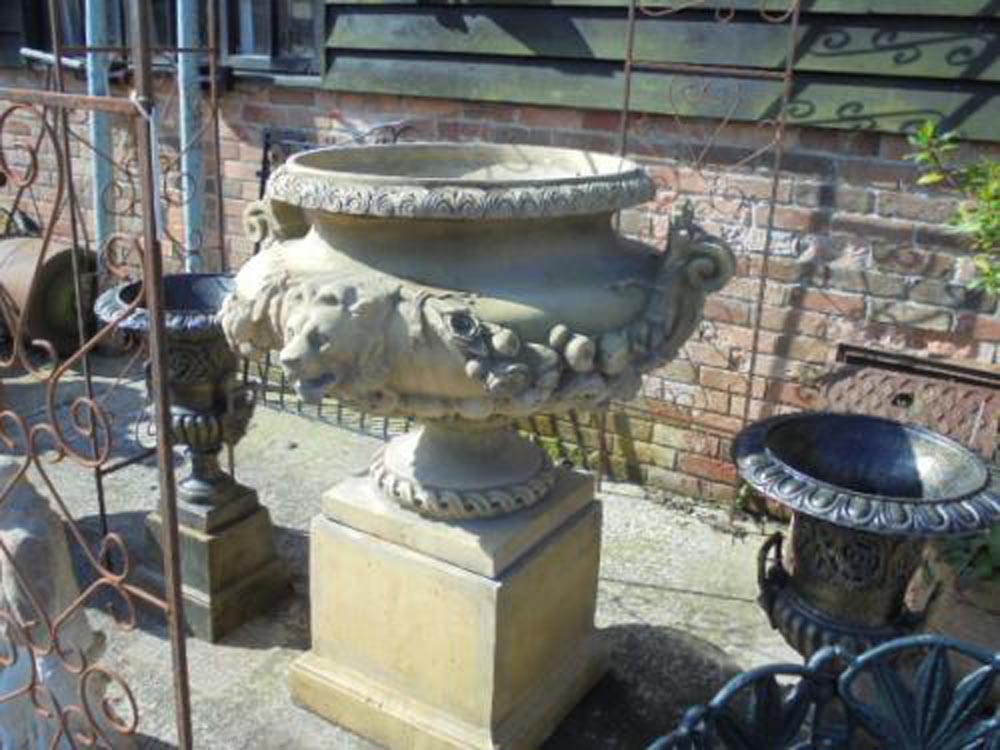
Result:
[{"x": 896, "y": 696}]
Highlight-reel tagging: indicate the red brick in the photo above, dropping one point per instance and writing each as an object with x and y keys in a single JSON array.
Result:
[
  {"x": 707, "y": 354},
  {"x": 485, "y": 111},
  {"x": 906, "y": 205},
  {"x": 834, "y": 303},
  {"x": 800, "y": 347},
  {"x": 756, "y": 188},
  {"x": 229, "y": 150},
  {"x": 877, "y": 173},
  {"x": 717, "y": 492},
  {"x": 800, "y": 395},
  {"x": 790, "y": 271},
  {"x": 794, "y": 219},
  {"x": 240, "y": 170},
  {"x": 979, "y": 327},
  {"x": 516, "y": 134},
  {"x": 911, "y": 314},
  {"x": 298, "y": 97},
  {"x": 679, "y": 371},
  {"x": 672, "y": 481},
  {"x": 707, "y": 468},
  {"x": 942, "y": 237},
  {"x": 894, "y": 147},
  {"x": 432, "y": 107},
  {"x": 869, "y": 282},
  {"x": 725, "y": 310},
  {"x": 685, "y": 438},
  {"x": 681, "y": 178},
  {"x": 783, "y": 368},
  {"x": 840, "y": 142},
  {"x": 915, "y": 262},
  {"x": 551, "y": 117},
  {"x": 713, "y": 400},
  {"x": 260, "y": 114},
  {"x": 461, "y": 131},
  {"x": 382, "y": 103},
  {"x": 834, "y": 195},
  {"x": 748, "y": 289},
  {"x": 725, "y": 380},
  {"x": 719, "y": 423},
  {"x": 594, "y": 119},
  {"x": 589, "y": 141},
  {"x": 873, "y": 228}
]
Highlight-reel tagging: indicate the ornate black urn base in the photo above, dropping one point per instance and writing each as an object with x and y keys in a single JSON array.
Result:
[
  {"x": 865, "y": 493},
  {"x": 229, "y": 566}
]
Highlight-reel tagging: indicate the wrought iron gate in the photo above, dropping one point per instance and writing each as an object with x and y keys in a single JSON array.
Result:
[{"x": 48, "y": 664}]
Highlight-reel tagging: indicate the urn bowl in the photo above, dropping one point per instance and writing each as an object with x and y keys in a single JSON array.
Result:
[
  {"x": 465, "y": 285},
  {"x": 864, "y": 492}
]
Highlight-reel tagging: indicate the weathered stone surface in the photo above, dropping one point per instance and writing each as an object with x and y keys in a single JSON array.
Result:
[
  {"x": 38, "y": 587},
  {"x": 231, "y": 573},
  {"x": 677, "y": 627},
  {"x": 464, "y": 332},
  {"x": 911, "y": 314},
  {"x": 413, "y": 649}
]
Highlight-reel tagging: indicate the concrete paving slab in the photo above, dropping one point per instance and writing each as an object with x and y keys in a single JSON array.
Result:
[{"x": 676, "y": 594}]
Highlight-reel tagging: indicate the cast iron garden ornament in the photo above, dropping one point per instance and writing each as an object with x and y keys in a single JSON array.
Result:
[
  {"x": 209, "y": 408},
  {"x": 230, "y": 566},
  {"x": 865, "y": 493},
  {"x": 898, "y": 696},
  {"x": 465, "y": 285}
]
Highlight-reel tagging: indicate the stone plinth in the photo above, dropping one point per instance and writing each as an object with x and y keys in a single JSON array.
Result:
[
  {"x": 230, "y": 569},
  {"x": 446, "y": 636}
]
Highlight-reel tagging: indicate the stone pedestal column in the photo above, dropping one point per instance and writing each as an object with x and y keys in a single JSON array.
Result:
[
  {"x": 467, "y": 286},
  {"x": 230, "y": 568},
  {"x": 450, "y": 636}
]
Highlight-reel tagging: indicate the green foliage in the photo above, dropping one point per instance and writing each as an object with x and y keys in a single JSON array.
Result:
[
  {"x": 976, "y": 558},
  {"x": 978, "y": 215}
]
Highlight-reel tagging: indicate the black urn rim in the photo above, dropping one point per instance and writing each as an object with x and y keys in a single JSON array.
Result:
[
  {"x": 191, "y": 304},
  {"x": 861, "y": 481}
]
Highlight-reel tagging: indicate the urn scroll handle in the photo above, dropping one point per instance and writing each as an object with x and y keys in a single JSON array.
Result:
[
  {"x": 267, "y": 220},
  {"x": 771, "y": 578}
]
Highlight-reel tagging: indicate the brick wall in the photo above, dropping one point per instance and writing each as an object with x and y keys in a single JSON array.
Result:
[{"x": 857, "y": 255}]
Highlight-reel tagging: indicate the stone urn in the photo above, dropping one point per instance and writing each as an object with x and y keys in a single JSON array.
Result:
[
  {"x": 865, "y": 494},
  {"x": 209, "y": 409},
  {"x": 464, "y": 285}
]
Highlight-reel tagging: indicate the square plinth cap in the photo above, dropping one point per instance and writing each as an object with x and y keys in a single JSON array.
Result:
[{"x": 486, "y": 546}]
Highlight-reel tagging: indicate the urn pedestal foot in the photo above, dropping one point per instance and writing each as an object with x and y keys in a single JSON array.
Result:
[
  {"x": 447, "y": 636},
  {"x": 230, "y": 570}
]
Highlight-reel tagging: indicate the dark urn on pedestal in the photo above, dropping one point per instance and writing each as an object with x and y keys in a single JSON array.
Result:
[
  {"x": 229, "y": 567},
  {"x": 865, "y": 494}
]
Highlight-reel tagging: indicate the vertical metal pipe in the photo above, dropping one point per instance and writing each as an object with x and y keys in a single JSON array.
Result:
[
  {"x": 153, "y": 288},
  {"x": 56, "y": 31},
  {"x": 213, "y": 41},
  {"x": 192, "y": 176},
  {"x": 98, "y": 35}
]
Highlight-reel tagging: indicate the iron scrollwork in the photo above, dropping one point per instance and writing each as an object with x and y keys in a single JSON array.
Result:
[
  {"x": 901, "y": 695},
  {"x": 46, "y": 667}
]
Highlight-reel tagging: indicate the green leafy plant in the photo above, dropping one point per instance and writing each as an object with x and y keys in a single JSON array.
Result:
[
  {"x": 978, "y": 183},
  {"x": 975, "y": 558}
]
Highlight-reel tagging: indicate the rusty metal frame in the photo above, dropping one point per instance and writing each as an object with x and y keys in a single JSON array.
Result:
[
  {"x": 126, "y": 168},
  {"x": 25, "y": 625},
  {"x": 724, "y": 12}
]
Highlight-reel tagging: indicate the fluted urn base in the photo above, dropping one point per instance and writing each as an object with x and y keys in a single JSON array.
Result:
[{"x": 455, "y": 469}]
